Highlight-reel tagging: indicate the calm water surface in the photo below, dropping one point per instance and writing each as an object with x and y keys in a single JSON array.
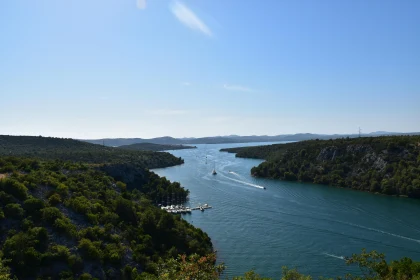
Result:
[{"x": 307, "y": 226}]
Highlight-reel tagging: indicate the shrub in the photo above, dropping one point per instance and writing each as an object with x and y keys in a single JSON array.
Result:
[
  {"x": 85, "y": 276},
  {"x": 14, "y": 211},
  {"x": 50, "y": 214},
  {"x": 90, "y": 249},
  {"x": 63, "y": 190},
  {"x": 33, "y": 207},
  {"x": 64, "y": 225},
  {"x": 75, "y": 263},
  {"x": 14, "y": 188},
  {"x": 54, "y": 199}
]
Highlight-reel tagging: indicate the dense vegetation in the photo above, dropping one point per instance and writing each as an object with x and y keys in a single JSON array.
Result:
[
  {"x": 372, "y": 265},
  {"x": 73, "y": 150},
  {"x": 154, "y": 147},
  {"x": 68, "y": 220},
  {"x": 388, "y": 165}
]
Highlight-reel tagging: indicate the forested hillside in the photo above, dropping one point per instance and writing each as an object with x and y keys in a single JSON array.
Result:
[
  {"x": 388, "y": 165},
  {"x": 61, "y": 219},
  {"x": 70, "y": 209},
  {"x": 78, "y": 151}
]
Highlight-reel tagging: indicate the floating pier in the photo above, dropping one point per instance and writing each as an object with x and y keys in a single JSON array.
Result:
[{"x": 180, "y": 209}]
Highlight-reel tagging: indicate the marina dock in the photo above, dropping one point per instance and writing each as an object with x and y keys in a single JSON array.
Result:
[{"x": 180, "y": 209}]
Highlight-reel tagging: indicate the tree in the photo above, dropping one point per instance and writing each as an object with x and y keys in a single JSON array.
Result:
[{"x": 4, "y": 270}]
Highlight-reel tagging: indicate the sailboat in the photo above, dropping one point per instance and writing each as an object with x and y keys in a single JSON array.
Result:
[{"x": 214, "y": 170}]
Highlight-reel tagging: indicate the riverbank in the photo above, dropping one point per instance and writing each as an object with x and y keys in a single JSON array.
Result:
[{"x": 387, "y": 165}]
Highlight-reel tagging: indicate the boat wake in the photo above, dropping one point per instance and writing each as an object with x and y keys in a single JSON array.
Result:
[
  {"x": 384, "y": 232},
  {"x": 245, "y": 183},
  {"x": 334, "y": 256}
]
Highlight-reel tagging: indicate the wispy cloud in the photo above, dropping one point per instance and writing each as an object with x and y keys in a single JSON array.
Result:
[
  {"x": 163, "y": 112},
  {"x": 141, "y": 4},
  {"x": 237, "y": 88},
  {"x": 189, "y": 19},
  {"x": 187, "y": 84}
]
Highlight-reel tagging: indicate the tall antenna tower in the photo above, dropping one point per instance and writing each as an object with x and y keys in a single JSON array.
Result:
[{"x": 360, "y": 132}]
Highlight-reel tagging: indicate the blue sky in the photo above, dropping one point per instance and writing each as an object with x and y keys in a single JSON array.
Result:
[{"x": 131, "y": 68}]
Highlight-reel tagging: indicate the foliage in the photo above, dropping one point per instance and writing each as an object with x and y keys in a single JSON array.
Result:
[
  {"x": 182, "y": 268},
  {"x": 32, "y": 148},
  {"x": 4, "y": 269},
  {"x": 14, "y": 211},
  {"x": 63, "y": 219},
  {"x": 388, "y": 165}
]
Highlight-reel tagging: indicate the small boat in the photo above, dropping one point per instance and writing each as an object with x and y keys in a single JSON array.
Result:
[{"x": 214, "y": 170}]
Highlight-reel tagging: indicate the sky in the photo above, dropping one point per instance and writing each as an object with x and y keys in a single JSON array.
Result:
[{"x": 193, "y": 68}]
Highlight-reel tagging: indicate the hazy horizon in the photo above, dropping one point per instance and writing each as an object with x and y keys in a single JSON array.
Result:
[
  {"x": 226, "y": 135},
  {"x": 126, "y": 69}
]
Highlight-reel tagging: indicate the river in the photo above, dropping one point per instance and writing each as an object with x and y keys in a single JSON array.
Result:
[{"x": 304, "y": 226}]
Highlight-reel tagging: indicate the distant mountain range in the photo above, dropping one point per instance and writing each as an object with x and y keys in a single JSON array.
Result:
[
  {"x": 167, "y": 140},
  {"x": 154, "y": 147}
]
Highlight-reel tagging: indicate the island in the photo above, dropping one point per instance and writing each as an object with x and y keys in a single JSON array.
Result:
[{"x": 388, "y": 165}]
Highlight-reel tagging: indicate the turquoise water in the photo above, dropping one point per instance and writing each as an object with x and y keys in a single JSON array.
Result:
[{"x": 307, "y": 226}]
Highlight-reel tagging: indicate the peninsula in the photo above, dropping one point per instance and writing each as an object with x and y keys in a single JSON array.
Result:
[{"x": 388, "y": 165}]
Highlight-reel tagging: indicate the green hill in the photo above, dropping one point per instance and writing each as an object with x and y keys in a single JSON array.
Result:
[
  {"x": 388, "y": 165},
  {"x": 68, "y": 220},
  {"x": 154, "y": 147},
  {"x": 70, "y": 209},
  {"x": 78, "y": 151}
]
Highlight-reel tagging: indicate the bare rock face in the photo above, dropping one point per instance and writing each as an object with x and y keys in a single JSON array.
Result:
[
  {"x": 357, "y": 149},
  {"x": 375, "y": 161},
  {"x": 328, "y": 153}
]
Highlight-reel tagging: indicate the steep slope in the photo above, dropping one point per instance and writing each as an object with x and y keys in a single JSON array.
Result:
[
  {"x": 389, "y": 165},
  {"x": 74, "y": 150},
  {"x": 68, "y": 220}
]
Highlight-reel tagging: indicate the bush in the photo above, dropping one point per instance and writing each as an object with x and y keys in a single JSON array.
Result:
[
  {"x": 60, "y": 252},
  {"x": 75, "y": 263},
  {"x": 33, "y": 207},
  {"x": 63, "y": 190},
  {"x": 85, "y": 276},
  {"x": 50, "y": 214},
  {"x": 64, "y": 225},
  {"x": 6, "y": 198},
  {"x": 13, "y": 211},
  {"x": 90, "y": 249},
  {"x": 54, "y": 199},
  {"x": 14, "y": 188}
]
